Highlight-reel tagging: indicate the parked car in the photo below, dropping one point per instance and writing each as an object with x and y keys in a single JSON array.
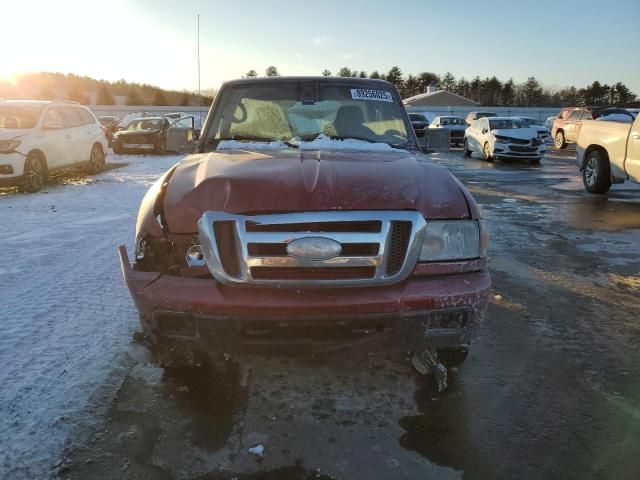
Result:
[
  {"x": 155, "y": 134},
  {"x": 473, "y": 116},
  {"x": 109, "y": 124},
  {"x": 634, "y": 111},
  {"x": 455, "y": 125},
  {"x": 175, "y": 115},
  {"x": 503, "y": 137},
  {"x": 608, "y": 152},
  {"x": 549, "y": 122},
  {"x": 420, "y": 122},
  {"x": 315, "y": 190},
  {"x": 39, "y": 137},
  {"x": 540, "y": 127},
  {"x": 130, "y": 117},
  {"x": 566, "y": 126}
]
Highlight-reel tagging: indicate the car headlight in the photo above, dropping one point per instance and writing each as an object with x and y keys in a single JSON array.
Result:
[
  {"x": 453, "y": 240},
  {"x": 8, "y": 146},
  {"x": 500, "y": 139}
]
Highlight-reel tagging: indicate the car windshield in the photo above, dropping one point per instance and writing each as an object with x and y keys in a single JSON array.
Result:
[
  {"x": 12, "y": 116},
  {"x": 532, "y": 121},
  {"x": 145, "y": 124},
  {"x": 506, "y": 123},
  {"x": 299, "y": 115},
  {"x": 485, "y": 114},
  {"x": 452, "y": 121}
]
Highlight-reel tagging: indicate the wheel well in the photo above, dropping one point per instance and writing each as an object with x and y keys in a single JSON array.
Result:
[
  {"x": 41, "y": 154},
  {"x": 99, "y": 146},
  {"x": 593, "y": 148}
]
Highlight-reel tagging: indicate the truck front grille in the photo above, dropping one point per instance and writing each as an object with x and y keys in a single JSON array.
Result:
[{"x": 372, "y": 247}]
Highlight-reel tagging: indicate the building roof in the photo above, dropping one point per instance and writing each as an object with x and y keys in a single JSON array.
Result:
[{"x": 440, "y": 98}]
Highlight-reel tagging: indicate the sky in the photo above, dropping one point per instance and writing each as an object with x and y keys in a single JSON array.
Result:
[{"x": 568, "y": 42}]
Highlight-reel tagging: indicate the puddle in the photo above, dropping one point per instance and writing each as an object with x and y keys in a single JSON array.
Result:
[
  {"x": 211, "y": 395},
  {"x": 284, "y": 473},
  {"x": 439, "y": 433}
]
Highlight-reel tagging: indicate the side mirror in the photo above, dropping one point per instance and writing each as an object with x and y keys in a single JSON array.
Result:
[{"x": 484, "y": 130}]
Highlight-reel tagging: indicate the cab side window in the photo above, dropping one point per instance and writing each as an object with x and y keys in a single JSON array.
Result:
[
  {"x": 70, "y": 117},
  {"x": 87, "y": 118},
  {"x": 575, "y": 115},
  {"x": 52, "y": 119}
]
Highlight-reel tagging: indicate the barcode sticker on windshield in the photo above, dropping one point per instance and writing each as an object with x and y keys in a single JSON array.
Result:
[{"x": 375, "y": 95}]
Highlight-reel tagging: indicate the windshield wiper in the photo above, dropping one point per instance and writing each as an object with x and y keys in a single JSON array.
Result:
[
  {"x": 364, "y": 139},
  {"x": 249, "y": 138}
]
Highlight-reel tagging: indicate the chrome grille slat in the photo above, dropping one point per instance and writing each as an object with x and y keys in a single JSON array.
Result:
[{"x": 377, "y": 262}]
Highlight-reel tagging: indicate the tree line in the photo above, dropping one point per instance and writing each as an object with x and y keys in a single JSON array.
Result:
[
  {"x": 59, "y": 86},
  {"x": 492, "y": 91}
]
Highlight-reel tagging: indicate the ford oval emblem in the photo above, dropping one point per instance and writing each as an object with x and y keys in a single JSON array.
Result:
[{"x": 314, "y": 248}]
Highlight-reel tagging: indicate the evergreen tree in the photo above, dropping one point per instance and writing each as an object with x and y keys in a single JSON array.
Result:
[
  {"x": 326, "y": 73},
  {"x": 185, "y": 99},
  {"x": 104, "y": 96},
  {"x": 159, "y": 99},
  {"x": 508, "y": 93},
  {"x": 427, "y": 78},
  {"x": 272, "y": 72},
  {"x": 375, "y": 75},
  {"x": 394, "y": 76},
  {"x": 133, "y": 97},
  {"x": 448, "y": 82},
  {"x": 253, "y": 73},
  {"x": 345, "y": 72},
  {"x": 531, "y": 92},
  {"x": 362, "y": 74}
]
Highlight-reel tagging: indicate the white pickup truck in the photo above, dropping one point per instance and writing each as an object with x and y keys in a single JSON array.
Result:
[{"x": 608, "y": 153}]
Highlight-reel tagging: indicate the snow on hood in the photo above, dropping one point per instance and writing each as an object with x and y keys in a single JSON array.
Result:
[
  {"x": 521, "y": 133},
  {"x": 322, "y": 142}
]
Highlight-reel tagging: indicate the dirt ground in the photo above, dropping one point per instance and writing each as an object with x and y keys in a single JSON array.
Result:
[{"x": 551, "y": 388}]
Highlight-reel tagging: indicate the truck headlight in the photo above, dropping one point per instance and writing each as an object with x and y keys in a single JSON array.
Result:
[
  {"x": 8, "y": 146},
  {"x": 453, "y": 240}
]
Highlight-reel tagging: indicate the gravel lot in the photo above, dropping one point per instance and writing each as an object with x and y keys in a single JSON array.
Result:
[{"x": 551, "y": 388}]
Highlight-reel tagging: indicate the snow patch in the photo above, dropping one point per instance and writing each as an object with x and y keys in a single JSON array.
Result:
[{"x": 321, "y": 142}]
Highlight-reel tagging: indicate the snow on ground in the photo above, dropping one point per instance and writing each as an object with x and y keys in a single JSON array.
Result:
[{"x": 66, "y": 315}]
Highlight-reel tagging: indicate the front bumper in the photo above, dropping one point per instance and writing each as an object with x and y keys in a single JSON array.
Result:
[
  {"x": 439, "y": 311},
  {"x": 517, "y": 151},
  {"x": 14, "y": 163}
]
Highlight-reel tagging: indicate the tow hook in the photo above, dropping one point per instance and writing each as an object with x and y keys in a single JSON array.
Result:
[{"x": 425, "y": 361}]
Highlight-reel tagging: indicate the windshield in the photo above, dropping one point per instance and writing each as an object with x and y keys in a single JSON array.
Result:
[
  {"x": 145, "y": 124},
  {"x": 532, "y": 121},
  {"x": 507, "y": 123},
  {"x": 485, "y": 114},
  {"x": 297, "y": 113},
  {"x": 12, "y": 116},
  {"x": 452, "y": 121}
]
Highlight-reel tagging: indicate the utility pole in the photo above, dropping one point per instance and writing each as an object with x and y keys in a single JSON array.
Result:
[{"x": 199, "y": 95}]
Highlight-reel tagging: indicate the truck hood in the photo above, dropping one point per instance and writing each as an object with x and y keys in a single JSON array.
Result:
[{"x": 252, "y": 182}]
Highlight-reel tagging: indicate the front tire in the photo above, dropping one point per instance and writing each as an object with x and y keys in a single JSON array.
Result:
[
  {"x": 96, "y": 159},
  {"x": 596, "y": 174},
  {"x": 487, "y": 152},
  {"x": 467, "y": 152},
  {"x": 559, "y": 141},
  {"x": 35, "y": 173}
]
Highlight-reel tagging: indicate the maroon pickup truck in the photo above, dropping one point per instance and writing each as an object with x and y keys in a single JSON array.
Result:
[{"x": 309, "y": 220}]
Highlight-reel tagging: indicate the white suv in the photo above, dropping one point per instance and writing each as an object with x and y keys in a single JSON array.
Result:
[{"x": 37, "y": 137}]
